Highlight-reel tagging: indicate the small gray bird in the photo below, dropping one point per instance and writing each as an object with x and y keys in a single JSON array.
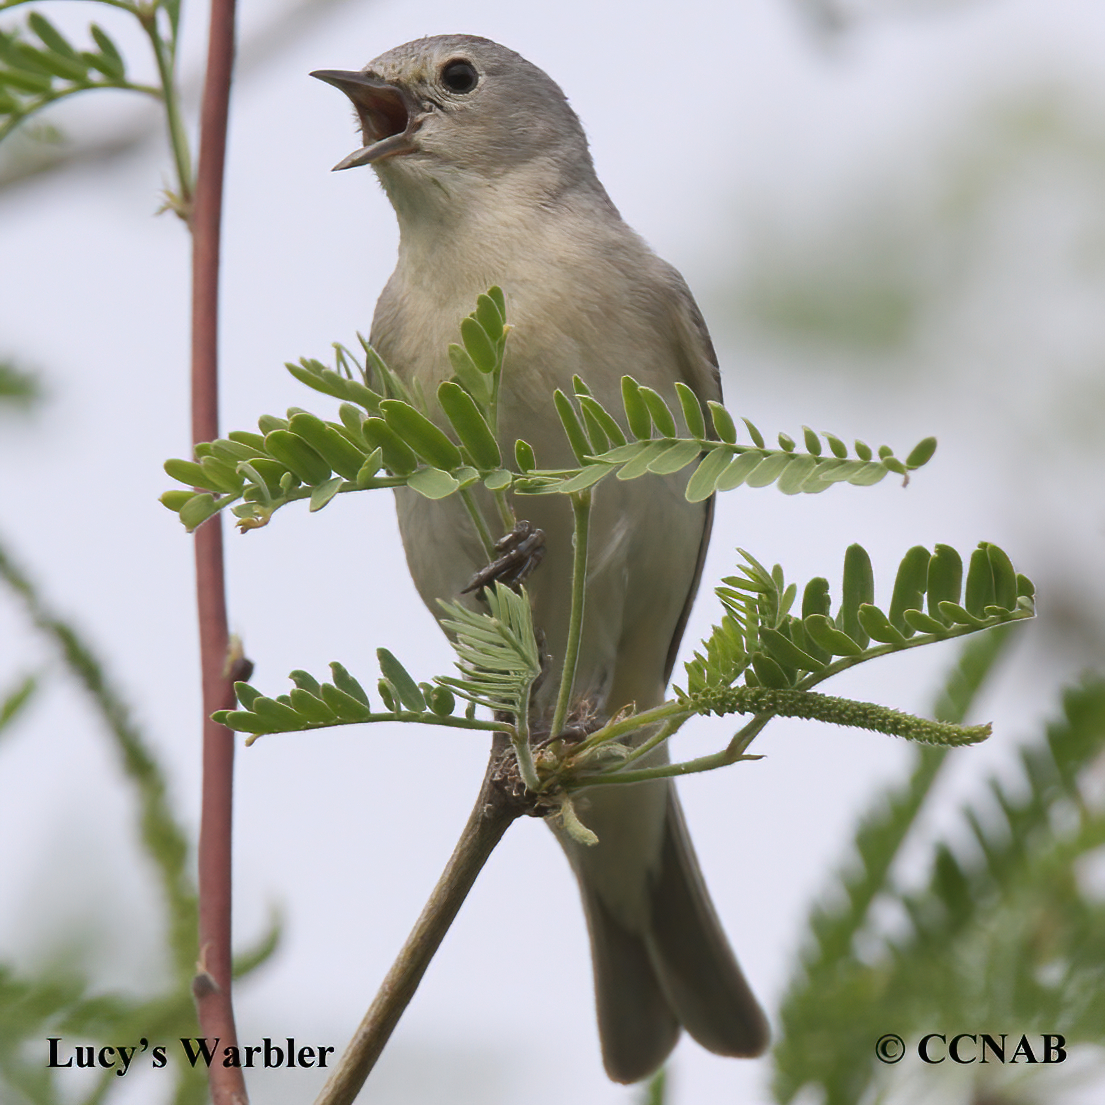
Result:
[{"x": 489, "y": 173}]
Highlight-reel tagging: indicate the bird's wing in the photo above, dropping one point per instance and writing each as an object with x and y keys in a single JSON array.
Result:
[{"x": 699, "y": 370}]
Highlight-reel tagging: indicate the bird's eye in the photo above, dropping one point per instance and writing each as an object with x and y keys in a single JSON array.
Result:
[{"x": 459, "y": 76}]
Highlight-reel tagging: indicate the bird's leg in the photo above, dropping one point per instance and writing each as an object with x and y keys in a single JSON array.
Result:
[{"x": 520, "y": 551}]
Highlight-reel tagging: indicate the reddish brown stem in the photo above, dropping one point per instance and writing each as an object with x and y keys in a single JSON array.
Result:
[{"x": 212, "y": 984}]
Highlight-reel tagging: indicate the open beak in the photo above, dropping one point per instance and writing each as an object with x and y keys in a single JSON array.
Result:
[{"x": 387, "y": 112}]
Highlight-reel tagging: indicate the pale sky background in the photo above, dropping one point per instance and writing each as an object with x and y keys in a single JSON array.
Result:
[{"x": 953, "y": 155}]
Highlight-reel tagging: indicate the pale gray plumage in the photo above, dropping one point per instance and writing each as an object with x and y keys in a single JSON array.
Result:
[{"x": 489, "y": 173}]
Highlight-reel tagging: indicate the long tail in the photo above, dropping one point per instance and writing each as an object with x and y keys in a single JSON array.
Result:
[{"x": 668, "y": 965}]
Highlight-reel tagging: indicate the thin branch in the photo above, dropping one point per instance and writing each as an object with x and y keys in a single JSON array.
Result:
[
  {"x": 407, "y": 716},
  {"x": 523, "y": 750},
  {"x": 581, "y": 510},
  {"x": 732, "y": 754},
  {"x": 165, "y": 56},
  {"x": 478, "y": 521},
  {"x": 506, "y": 512},
  {"x": 663, "y": 732},
  {"x": 490, "y": 818},
  {"x": 768, "y": 703},
  {"x": 675, "y": 710},
  {"x": 212, "y": 984}
]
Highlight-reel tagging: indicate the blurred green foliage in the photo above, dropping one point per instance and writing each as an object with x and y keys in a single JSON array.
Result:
[
  {"x": 55, "y": 1000},
  {"x": 1008, "y": 203},
  {"x": 1004, "y": 935},
  {"x": 18, "y": 388}
]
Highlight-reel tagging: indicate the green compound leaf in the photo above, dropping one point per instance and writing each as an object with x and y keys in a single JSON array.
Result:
[
  {"x": 596, "y": 414},
  {"x": 859, "y": 590},
  {"x": 189, "y": 472},
  {"x": 479, "y": 345},
  {"x": 739, "y": 469},
  {"x": 40, "y": 66},
  {"x": 421, "y": 435},
  {"x": 834, "y": 641},
  {"x": 478, "y": 385},
  {"x": 636, "y": 409},
  {"x": 573, "y": 428},
  {"x": 491, "y": 318},
  {"x": 323, "y": 493},
  {"x": 768, "y": 470},
  {"x": 674, "y": 458},
  {"x": 499, "y": 659},
  {"x": 524, "y": 456},
  {"x": 588, "y": 477},
  {"x": 337, "y": 450},
  {"x": 762, "y": 641},
  {"x": 593, "y": 425},
  {"x": 702, "y": 483},
  {"x": 499, "y": 480},
  {"x": 51, "y": 37},
  {"x": 692, "y": 411},
  {"x": 398, "y": 456},
  {"x": 724, "y": 465},
  {"x": 909, "y": 587},
  {"x": 921, "y": 453},
  {"x": 432, "y": 483},
  {"x": 297, "y": 456},
  {"x": 384, "y": 438},
  {"x": 658, "y": 410},
  {"x": 945, "y": 579},
  {"x": 878, "y": 626},
  {"x": 723, "y": 424},
  {"x": 469, "y": 424},
  {"x": 346, "y": 706},
  {"x": 401, "y": 680},
  {"x": 198, "y": 509},
  {"x": 786, "y": 652},
  {"x": 795, "y": 478},
  {"x": 343, "y": 701},
  {"x": 109, "y": 60}
]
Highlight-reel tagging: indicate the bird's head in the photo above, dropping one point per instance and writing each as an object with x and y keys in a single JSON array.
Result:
[{"x": 456, "y": 108}]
